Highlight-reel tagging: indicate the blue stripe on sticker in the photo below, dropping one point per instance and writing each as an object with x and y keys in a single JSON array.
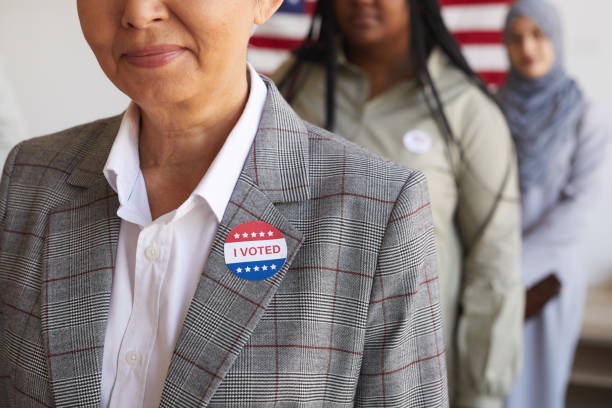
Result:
[{"x": 256, "y": 271}]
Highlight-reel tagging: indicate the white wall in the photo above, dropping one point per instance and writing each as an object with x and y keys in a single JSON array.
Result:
[
  {"x": 58, "y": 83},
  {"x": 588, "y": 28},
  {"x": 54, "y": 74}
]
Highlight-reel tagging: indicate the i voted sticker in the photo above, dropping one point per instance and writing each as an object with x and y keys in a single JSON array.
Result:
[
  {"x": 255, "y": 250},
  {"x": 417, "y": 141}
]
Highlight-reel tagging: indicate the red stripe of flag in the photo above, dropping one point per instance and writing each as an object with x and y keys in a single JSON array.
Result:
[
  {"x": 496, "y": 78},
  {"x": 473, "y": 2},
  {"x": 478, "y": 37},
  {"x": 310, "y": 7},
  {"x": 275, "y": 43}
]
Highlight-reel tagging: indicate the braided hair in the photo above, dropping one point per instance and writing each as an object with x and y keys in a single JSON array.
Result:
[{"x": 427, "y": 30}]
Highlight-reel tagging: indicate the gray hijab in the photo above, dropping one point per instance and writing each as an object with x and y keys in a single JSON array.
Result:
[{"x": 542, "y": 113}]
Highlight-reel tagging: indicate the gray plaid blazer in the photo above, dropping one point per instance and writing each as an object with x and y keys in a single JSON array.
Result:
[{"x": 352, "y": 319}]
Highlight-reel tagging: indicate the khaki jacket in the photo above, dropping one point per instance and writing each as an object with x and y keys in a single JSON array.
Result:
[{"x": 482, "y": 296}]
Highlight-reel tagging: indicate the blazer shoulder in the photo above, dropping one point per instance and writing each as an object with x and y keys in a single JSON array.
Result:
[
  {"x": 66, "y": 147},
  {"x": 325, "y": 146}
]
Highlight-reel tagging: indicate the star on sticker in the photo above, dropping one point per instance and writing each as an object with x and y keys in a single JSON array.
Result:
[
  {"x": 273, "y": 267},
  {"x": 247, "y": 269},
  {"x": 254, "y": 234},
  {"x": 236, "y": 236},
  {"x": 256, "y": 269},
  {"x": 270, "y": 233},
  {"x": 239, "y": 270},
  {"x": 265, "y": 268},
  {"x": 245, "y": 235},
  {"x": 262, "y": 234}
]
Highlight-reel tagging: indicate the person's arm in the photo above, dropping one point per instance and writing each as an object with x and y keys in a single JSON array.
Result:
[
  {"x": 566, "y": 222},
  {"x": 5, "y": 385},
  {"x": 403, "y": 362},
  {"x": 489, "y": 328}
]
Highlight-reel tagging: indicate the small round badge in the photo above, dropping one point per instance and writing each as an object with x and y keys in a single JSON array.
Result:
[
  {"x": 417, "y": 141},
  {"x": 255, "y": 250}
]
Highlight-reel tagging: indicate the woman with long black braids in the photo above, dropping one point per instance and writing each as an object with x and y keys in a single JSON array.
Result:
[{"x": 388, "y": 75}]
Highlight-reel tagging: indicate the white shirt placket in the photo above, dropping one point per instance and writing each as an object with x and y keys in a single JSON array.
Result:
[{"x": 151, "y": 264}]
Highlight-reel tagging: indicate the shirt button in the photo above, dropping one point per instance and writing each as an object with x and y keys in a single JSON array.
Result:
[
  {"x": 152, "y": 253},
  {"x": 132, "y": 357}
]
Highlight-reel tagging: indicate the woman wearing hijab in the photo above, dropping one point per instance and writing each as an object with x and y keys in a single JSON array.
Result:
[
  {"x": 389, "y": 76},
  {"x": 209, "y": 247},
  {"x": 561, "y": 140}
]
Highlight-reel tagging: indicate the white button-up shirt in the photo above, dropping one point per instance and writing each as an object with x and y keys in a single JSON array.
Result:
[{"x": 159, "y": 262}]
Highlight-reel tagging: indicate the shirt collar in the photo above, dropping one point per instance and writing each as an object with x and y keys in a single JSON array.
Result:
[
  {"x": 218, "y": 183},
  {"x": 122, "y": 169}
]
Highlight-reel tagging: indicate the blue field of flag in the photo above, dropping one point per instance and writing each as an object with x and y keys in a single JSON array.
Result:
[{"x": 293, "y": 6}]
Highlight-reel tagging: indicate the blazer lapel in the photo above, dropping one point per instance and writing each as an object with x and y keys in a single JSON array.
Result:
[
  {"x": 80, "y": 255},
  {"x": 226, "y": 309}
]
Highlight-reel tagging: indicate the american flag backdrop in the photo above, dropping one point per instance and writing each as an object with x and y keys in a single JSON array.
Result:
[{"x": 477, "y": 25}]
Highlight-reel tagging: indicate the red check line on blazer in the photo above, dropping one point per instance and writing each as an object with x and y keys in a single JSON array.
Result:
[
  {"x": 259, "y": 218},
  {"x": 239, "y": 206},
  {"x": 75, "y": 351},
  {"x": 403, "y": 217},
  {"x": 382, "y": 360},
  {"x": 295, "y": 132},
  {"x": 324, "y": 268},
  {"x": 31, "y": 397},
  {"x": 27, "y": 234},
  {"x": 193, "y": 363},
  {"x": 333, "y": 311},
  {"x": 78, "y": 274},
  {"x": 42, "y": 166},
  {"x": 299, "y": 346},
  {"x": 404, "y": 294},
  {"x": 255, "y": 161},
  {"x": 80, "y": 207},
  {"x": 404, "y": 367},
  {"x": 233, "y": 291},
  {"x": 216, "y": 375},
  {"x": 95, "y": 173},
  {"x": 285, "y": 189},
  {"x": 25, "y": 328},
  {"x": 50, "y": 162},
  {"x": 20, "y": 310},
  {"x": 353, "y": 195}
]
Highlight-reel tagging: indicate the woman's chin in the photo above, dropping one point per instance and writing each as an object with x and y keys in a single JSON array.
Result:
[{"x": 159, "y": 94}]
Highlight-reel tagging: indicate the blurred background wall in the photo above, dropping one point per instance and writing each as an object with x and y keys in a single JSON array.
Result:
[{"x": 57, "y": 82}]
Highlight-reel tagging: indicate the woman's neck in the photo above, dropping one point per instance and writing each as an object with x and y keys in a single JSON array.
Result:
[
  {"x": 179, "y": 142},
  {"x": 192, "y": 129},
  {"x": 385, "y": 66}
]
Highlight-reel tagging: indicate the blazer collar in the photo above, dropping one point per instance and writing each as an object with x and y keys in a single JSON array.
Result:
[
  {"x": 225, "y": 310},
  {"x": 278, "y": 162}
]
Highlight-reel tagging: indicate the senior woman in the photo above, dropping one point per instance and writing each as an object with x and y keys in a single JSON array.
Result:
[
  {"x": 208, "y": 247},
  {"x": 561, "y": 141}
]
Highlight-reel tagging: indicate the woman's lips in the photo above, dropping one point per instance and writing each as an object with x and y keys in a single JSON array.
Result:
[
  {"x": 154, "y": 56},
  {"x": 364, "y": 19}
]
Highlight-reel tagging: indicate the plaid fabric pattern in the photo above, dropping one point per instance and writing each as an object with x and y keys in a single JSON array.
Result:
[{"x": 352, "y": 319}]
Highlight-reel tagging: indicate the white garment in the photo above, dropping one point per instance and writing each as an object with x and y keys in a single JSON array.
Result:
[
  {"x": 557, "y": 217},
  {"x": 159, "y": 263}
]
